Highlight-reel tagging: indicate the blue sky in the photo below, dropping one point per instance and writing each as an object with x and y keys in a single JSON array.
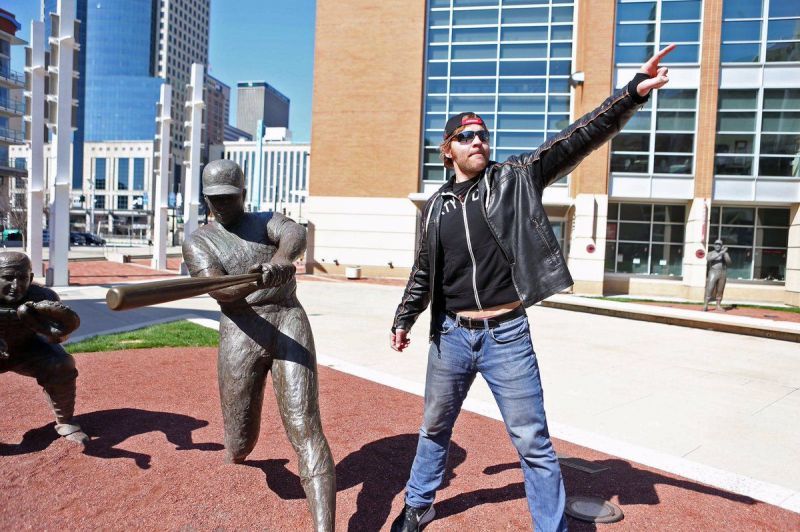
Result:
[{"x": 261, "y": 40}]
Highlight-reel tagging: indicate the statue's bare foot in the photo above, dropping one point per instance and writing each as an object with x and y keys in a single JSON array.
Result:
[{"x": 72, "y": 433}]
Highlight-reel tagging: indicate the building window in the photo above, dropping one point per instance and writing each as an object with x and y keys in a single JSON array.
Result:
[
  {"x": 100, "y": 174},
  {"x": 122, "y": 202},
  {"x": 138, "y": 202},
  {"x": 661, "y": 146},
  {"x": 645, "y": 239},
  {"x": 743, "y": 37},
  {"x": 122, "y": 174},
  {"x": 100, "y": 202},
  {"x": 19, "y": 200},
  {"x": 510, "y": 64},
  {"x": 641, "y": 26},
  {"x": 138, "y": 173},
  {"x": 745, "y": 149},
  {"x": 757, "y": 240}
]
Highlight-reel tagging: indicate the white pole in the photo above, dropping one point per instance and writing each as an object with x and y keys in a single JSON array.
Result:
[
  {"x": 61, "y": 70},
  {"x": 191, "y": 197},
  {"x": 35, "y": 197},
  {"x": 161, "y": 179}
]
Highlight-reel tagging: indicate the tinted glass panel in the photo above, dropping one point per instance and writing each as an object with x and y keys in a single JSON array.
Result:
[
  {"x": 783, "y": 51},
  {"x": 784, "y": 8},
  {"x": 738, "y": 216},
  {"x": 779, "y": 217},
  {"x": 437, "y": 52},
  {"x": 637, "y": 232},
  {"x": 474, "y": 3},
  {"x": 561, "y": 33},
  {"x": 733, "y": 165},
  {"x": 785, "y": 122},
  {"x": 741, "y": 8},
  {"x": 478, "y": 104},
  {"x": 674, "y": 121},
  {"x": 640, "y": 121},
  {"x": 561, "y": 50},
  {"x": 633, "y": 54},
  {"x": 562, "y": 14},
  {"x": 439, "y": 18},
  {"x": 674, "y": 142},
  {"x": 677, "y": 99},
  {"x": 782, "y": 99},
  {"x": 780, "y": 144},
  {"x": 740, "y": 53},
  {"x": 736, "y": 122},
  {"x": 638, "y": 11},
  {"x": 523, "y": 68},
  {"x": 738, "y": 99},
  {"x": 685, "y": 53},
  {"x": 523, "y": 85},
  {"x": 535, "y": 33},
  {"x": 525, "y": 16},
  {"x": 772, "y": 237},
  {"x": 521, "y": 122},
  {"x": 672, "y": 164},
  {"x": 782, "y": 30},
  {"x": 524, "y": 104},
  {"x": 474, "y": 34},
  {"x": 472, "y": 85},
  {"x": 734, "y": 143},
  {"x": 438, "y": 36},
  {"x": 779, "y": 166},
  {"x": 483, "y": 51},
  {"x": 681, "y": 10},
  {"x": 629, "y": 163},
  {"x": 668, "y": 233},
  {"x": 770, "y": 264},
  {"x": 518, "y": 140},
  {"x": 632, "y": 258},
  {"x": 437, "y": 85},
  {"x": 487, "y": 68},
  {"x": 747, "y": 30},
  {"x": 669, "y": 213},
  {"x": 631, "y": 142},
  {"x": 479, "y": 16},
  {"x": 634, "y": 212},
  {"x": 514, "y": 51},
  {"x": 666, "y": 259},
  {"x": 680, "y": 32},
  {"x": 639, "y": 33},
  {"x": 737, "y": 236}
]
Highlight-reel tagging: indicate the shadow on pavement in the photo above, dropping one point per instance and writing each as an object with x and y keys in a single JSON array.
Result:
[
  {"x": 109, "y": 428},
  {"x": 622, "y": 482},
  {"x": 381, "y": 468}
]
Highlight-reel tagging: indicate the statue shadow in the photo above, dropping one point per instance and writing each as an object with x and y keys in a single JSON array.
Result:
[
  {"x": 109, "y": 428},
  {"x": 381, "y": 468},
  {"x": 628, "y": 484}
]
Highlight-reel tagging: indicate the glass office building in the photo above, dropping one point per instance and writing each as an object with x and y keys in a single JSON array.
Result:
[
  {"x": 121, "y": 87},
  {"x": 509, "y": 61}
]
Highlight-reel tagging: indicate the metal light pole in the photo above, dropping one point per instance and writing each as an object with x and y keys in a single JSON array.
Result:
[
  {"x": 161, "y": 179},
  {"x": 191, "y": 189}
]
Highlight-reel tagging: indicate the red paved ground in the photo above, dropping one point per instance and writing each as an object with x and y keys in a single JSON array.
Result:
[
  {"x": 92, "y": 272},
  {"x": 156, "y": 461}
]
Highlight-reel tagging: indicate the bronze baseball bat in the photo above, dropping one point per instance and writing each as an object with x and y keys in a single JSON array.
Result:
[{"x": 128, "y": 296}]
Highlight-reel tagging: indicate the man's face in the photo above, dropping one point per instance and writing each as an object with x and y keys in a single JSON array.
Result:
[
  {"x": 470, "y": 157},
  {"x": 717, "y": 246},
  {"x": 14, "y": 284},
  {"x": 226, "y": 208}
]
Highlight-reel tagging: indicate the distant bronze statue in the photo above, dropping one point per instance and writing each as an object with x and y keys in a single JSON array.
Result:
[
  {"x": 718, "y": 262},
  {"x": 33, "y": 322},
  {"x": 263, "y": 328}
]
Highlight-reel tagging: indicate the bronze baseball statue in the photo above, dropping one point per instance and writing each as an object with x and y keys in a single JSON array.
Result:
[
  {"x": 718, "y": 262},
  {"x": 33, "y": 322},
  {"x": 263, "y": 328}
]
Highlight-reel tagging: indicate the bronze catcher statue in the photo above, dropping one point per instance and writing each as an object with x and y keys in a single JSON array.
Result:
[{"x": 33, "y": 322}]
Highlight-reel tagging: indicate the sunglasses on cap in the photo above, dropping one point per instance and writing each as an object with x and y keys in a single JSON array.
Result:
[{"x": 467, "y": 136}]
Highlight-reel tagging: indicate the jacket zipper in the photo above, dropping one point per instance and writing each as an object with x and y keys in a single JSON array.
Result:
[
  {"x": 469, "y": 244},
  {"x": 497, "y": 240}
]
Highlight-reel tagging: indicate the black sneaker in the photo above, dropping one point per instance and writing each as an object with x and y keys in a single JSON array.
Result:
[{"x": 413, "y": 519}]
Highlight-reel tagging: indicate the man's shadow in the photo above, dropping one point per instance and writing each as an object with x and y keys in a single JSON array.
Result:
[
  {"x": 630, "y": 485},
  {"x": 109, "y": 428},
  {"x": 381, "y": 467}
]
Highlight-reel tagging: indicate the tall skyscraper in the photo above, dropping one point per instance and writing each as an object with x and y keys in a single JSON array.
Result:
[
  {"x": 218, "y": 105},
  {"x": 128, "y": 49},
  {"x": 258, "y": 100}
]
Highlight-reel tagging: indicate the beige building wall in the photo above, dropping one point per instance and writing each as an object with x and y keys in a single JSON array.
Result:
[
  {"x": 368, "y": 81},
  {"x": 589, "y": 182}
]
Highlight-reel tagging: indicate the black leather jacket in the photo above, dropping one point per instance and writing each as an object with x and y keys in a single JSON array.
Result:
[{"x": 511, "y": 196}]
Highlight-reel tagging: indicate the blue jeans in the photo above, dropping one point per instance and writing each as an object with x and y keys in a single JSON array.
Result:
[{"x": 505, "y": 358}]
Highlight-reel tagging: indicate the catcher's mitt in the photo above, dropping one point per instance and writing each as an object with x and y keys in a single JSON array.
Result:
[{"x": 51, "y": 319}]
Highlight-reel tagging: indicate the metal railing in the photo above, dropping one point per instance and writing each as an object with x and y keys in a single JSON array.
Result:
[
  {"x": 10, "y": 104},
  {"x": 12, "y": 75},
  {"x": 11, "y": 135}
]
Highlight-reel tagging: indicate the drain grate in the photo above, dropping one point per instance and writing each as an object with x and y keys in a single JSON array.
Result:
[{"x": 581, "y": 465}]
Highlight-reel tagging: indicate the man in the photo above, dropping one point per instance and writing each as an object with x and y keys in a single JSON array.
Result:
[
  {"x": 486, "y": 252},
  {"x": 32, "y": 324},
  {"x": 262, "y": 328},
  {"x": 718, "y": 261}
]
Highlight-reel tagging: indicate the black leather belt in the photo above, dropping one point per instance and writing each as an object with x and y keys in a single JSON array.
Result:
[{"x": 486, "y": 323}]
